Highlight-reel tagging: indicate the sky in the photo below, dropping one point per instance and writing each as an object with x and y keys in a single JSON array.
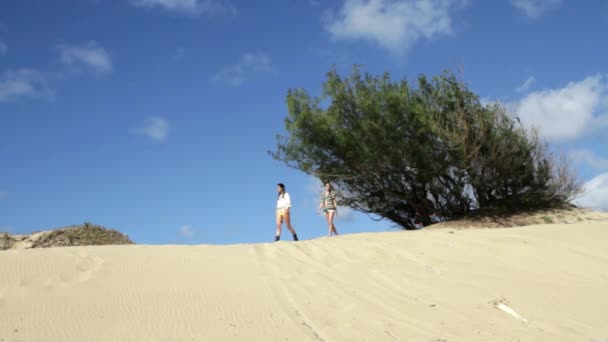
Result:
[{"x": 155, "y": 117}]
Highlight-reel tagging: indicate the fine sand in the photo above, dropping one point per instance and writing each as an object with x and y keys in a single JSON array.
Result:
[{"x": 534, "y": 283}]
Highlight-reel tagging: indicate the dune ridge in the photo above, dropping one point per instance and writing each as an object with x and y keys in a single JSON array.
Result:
[{"x": 430, "y": 285}]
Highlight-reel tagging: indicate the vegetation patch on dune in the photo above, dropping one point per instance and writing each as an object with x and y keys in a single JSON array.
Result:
[
  {"x": 83, "y": 235},
  {"x": 87, "y": 234},
  {"x": 6, "y": 241}
]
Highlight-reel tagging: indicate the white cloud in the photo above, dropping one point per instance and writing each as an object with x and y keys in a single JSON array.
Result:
[
  {"x": 526, "y": 85},
  {"x": 596, "y": 193},
  {"x": 535, "y": 8},
  {"x": 248, "y": 66},
  {"x": 3, "y": 48},
  {"x": 566, "y": 113},
  {"x": 178, "y": 54},
  {"x": 3, "y": 195},
  {"x": 186, "y": 232},
  {"x": 345, "y": 214},
  {"x": 24, "y": 83},
  {"x": 393, "y": 24},
  {"x": 601, "y": 120},
  {"x": 155, "y": 128},
  {"x": 90, "y": 55},
  {"x": 587, "y": 156},
  {"x": 193, "y": 7}
]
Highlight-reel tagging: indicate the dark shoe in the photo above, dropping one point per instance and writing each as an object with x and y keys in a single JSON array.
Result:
[
  {"x": 295, "y": 237},
  {"x": 277, "y": 238}
]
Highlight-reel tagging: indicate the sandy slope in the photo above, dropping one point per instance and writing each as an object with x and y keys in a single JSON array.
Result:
[{"x": 429, "y": 285}]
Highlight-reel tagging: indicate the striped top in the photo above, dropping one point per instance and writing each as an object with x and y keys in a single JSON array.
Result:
[{"x": 327, "y": 200}]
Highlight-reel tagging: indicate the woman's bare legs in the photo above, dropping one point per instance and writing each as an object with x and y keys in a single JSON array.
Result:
[
  {"x": 279, "y": 224},
  {"x": 285, "y": 216},
  {"x": 329, "y": 215},
  {"x": 288, "y": 223}
]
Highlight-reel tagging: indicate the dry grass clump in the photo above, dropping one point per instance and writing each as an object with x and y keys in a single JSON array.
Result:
[
  {"x": 6, "y": 241},
  {"x": 87, "y": 234}
]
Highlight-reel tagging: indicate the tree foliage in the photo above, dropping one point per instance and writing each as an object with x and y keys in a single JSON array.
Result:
[{"x": 403, "y": 153}]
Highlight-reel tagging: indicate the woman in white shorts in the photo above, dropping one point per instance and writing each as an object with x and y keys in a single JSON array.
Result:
[{"x": 283, "y": 205}]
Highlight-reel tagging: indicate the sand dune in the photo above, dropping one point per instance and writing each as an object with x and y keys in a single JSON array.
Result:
[{"x": 536, "y": 283}]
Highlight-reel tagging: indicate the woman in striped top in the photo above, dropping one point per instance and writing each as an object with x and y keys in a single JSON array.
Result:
[
  {"x": 329, "y": 207},
  {"x": 283, "y": 205}
]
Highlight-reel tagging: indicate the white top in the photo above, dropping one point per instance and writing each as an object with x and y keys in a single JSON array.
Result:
[{"x": 284, "y": 202}]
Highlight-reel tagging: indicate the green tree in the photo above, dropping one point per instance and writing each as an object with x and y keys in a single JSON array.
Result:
[{"x": 403, "y": 153}]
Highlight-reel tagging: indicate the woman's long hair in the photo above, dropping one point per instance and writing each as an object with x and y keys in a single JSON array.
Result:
[
  {"x": 331, "y": 187},
  {"x": 282, "y": 193}
]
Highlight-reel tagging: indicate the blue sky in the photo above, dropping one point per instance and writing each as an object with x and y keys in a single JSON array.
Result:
[{"x": 154, "y": 117}]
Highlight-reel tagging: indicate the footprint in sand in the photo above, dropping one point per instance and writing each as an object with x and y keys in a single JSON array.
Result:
[
  {"x": 2, "y": 300},
  {"x": 502, "y": 304},
  {"x": 25, "y": 281},
  {"x": 432, "y": 269},
  {"x": 87, "y": 266}
]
